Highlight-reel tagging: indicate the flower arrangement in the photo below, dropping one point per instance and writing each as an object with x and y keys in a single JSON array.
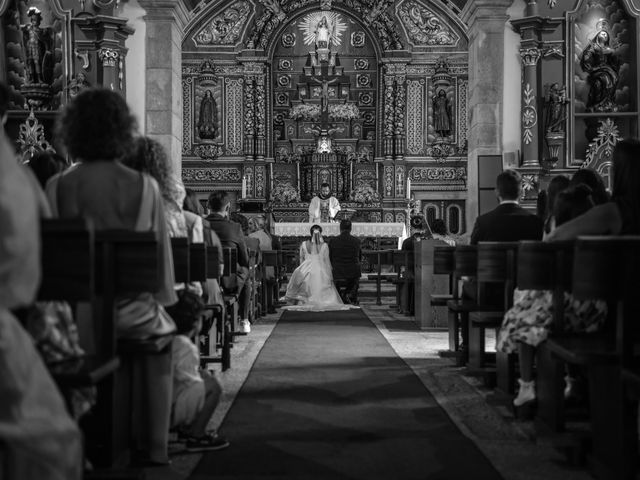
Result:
[
  {"x": 344, "y": 111},
  {"x": 364, "y": 194},
  {"x": 305, "y": 111},
  {"x": 284, "y": 193}
]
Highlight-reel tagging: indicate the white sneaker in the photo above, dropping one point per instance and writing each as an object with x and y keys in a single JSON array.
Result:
[
  {"x": 245, "y": 326},
  {"x": 527, "y": 393},
  {"x": 569, "y": 386}
]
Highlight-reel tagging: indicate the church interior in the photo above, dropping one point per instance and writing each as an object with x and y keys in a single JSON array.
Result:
[{"x": 163, "y": 166}]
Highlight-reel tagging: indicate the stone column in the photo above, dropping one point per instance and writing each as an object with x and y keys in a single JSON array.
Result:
[
  {"x": 486, "y": 20},
  {"x": 530, "y": 127},
  {"x": 165, "y": 22}
]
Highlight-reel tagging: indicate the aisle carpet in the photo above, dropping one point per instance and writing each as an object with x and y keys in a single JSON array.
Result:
[{"x": 328, "y": 398}]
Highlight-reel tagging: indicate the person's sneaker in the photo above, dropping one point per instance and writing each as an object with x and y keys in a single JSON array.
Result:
[
  {"x": 206, "y": 443},
  {"x": 245, "y": 326}
]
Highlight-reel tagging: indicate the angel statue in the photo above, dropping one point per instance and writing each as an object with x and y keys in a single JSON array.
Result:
[
  {"x": 37, "y": 46},
  {"x": 323, "y": 33}
]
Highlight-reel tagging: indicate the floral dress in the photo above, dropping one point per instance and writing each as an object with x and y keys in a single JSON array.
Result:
[{"x": 529, "y": 320}]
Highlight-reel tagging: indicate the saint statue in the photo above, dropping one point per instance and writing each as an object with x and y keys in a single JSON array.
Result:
[
  {"x": 322, "y": 33},
  {"x": 77, "y": 84},
  {"x": 37, "y": 45},
  {"x": 442, "y": 114},
  {"x": 208, "y": 122},
  {"x": 323, "y": 207},
  {"x": 600, "y": 62},
  {"x": 556, "y": 105}
]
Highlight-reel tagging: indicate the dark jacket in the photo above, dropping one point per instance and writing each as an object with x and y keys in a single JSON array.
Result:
[
  {"x": 507, "y": 223},
  {"x": 344, "y": 252},
  {"x": 231, "y": 236}
]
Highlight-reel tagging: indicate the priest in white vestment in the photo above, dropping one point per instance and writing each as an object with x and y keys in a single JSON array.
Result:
[{"x": 323, "y": 207}]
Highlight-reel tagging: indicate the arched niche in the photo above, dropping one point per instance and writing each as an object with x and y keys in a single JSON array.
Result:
[{"x": 293, "y": 67}]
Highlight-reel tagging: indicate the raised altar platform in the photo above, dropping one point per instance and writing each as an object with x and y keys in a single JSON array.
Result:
[{"x": 396, "y": 230}]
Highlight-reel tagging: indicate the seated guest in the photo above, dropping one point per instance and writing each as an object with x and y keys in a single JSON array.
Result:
[
  {"x": 196, "y": 392},
  {"x": 508, "y": 222},
  {"x": 39, "y": 438},
  {"x": 114, "y": 196},
  {"x": 192, "y": 204},
  {"x": 345, "y": 255},
  {"x": 45, "y": 165},
  {"x": 594, "y": 181},
  {"x": 557, "y": 184},
  {"x": 253, "y": 245},
  {"x": 439, "y": 232},
  {"x": 621, "y": 215},
  {"x": 231, "y": 236},
  {"x": 149, "y": 156},
  {"x": 527, "y": 323}
]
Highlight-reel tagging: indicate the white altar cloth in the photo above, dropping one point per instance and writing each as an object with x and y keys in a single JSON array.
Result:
[{"x": 291, "y": 229}]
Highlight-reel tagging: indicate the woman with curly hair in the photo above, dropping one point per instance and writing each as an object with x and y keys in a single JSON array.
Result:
[
  {"x": 97, "y": 130},
  {"x": 149, "y": 156}
]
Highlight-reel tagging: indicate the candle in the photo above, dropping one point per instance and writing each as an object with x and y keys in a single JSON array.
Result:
[
  {"x": 271, "y": 176},
  {"x": 244, "y": 186},
  {"x": 377, "y": 180},
  {"x": 351, "y": 174},
  {"x": 408, "y": 188},
  {"x": 298, "y": 172}
]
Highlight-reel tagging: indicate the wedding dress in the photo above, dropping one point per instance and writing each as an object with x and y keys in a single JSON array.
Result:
[{"x": 311, "y": 284}]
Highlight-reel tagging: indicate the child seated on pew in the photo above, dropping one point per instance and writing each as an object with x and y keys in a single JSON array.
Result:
[
  {"x": 526, "y": 325},
  {"x": 196, "y": 391}
]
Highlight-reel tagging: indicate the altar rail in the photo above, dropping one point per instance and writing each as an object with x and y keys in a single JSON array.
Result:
[{"x": 395, "y": 230}]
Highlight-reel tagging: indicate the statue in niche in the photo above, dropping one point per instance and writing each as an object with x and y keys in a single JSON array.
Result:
[
  {"x": 442, "y": 114},
  {"x": 37, "y": 43},
  {"x": 77, "y": 84},
  {"x": 208, "y": 122},
  {"x": 600, "y": 61},
  {"x": 556, "y": 109},
  {"x": 323, "y": 33}
]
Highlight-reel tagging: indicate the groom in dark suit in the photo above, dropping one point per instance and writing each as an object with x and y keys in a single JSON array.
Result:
[{"x": 344, "y": 252}]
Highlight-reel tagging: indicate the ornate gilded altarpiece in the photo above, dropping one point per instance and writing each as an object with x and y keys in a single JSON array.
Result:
[
  {"x": 379, "y": 86},
  {"x": 52, "y": 49}
]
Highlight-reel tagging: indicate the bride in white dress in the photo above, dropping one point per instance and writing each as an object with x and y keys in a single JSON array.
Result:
[{"x": 311, "y": 285}]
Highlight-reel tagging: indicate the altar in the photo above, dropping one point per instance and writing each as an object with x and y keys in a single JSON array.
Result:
[{"x": 298, "y": 229}]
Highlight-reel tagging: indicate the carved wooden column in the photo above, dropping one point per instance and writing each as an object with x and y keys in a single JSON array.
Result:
[
  {"x": 530, "y": 101},
  {"x": 249, "y": 117},
  {"x": 261, "y": 121},
  {"x": 400, "y": 113},
  {"x": 389, "y": 116},
  {"x": 111, "y": 67}
]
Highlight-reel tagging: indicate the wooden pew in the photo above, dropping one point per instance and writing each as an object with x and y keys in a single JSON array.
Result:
[
  {"x": 444, "y": 264},
  {"x": 496, "y": 275},
  {"x": 197, "y": 262},
  {"x": 604, "y": 268},
  {"x": 379, "y": 258},
  {"x": 222, "y": 337},
  {"x": 68, "y": 267},
  {"x": 271, "y": 259},
  {"x": 404, "y": 280},
  {"x": 128, "y": 263},
  {"x": 181, "y": 259}
]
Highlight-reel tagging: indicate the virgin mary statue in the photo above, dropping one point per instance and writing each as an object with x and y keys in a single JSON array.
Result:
[
  {"x": 600, "y": 62},
  {"x": 208, "y": 122},
  {"x": 322, "y": 33}
]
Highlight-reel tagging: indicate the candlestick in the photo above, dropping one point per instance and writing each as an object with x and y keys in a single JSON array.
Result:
[
  {"x": 377, "y": 179},
  {"x": 271, "y": 176},
  {"x": 244, "y": 186},
  {"x": 351, "y": 174},
  {"x": 408, "y": 188}
]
